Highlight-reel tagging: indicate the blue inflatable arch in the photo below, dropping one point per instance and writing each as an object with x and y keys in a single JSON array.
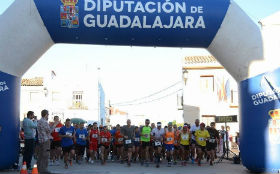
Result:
[{"x": 29, "y": 28}]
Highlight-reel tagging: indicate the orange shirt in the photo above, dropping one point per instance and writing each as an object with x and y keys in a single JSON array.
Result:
[
  {"x": 118, "y": 137},
  {"x": 170, "y": 137},
  {"x": 177, "y": 138}
]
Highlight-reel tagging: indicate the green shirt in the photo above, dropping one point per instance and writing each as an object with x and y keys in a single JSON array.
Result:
[{"x": 146, "y": 134}]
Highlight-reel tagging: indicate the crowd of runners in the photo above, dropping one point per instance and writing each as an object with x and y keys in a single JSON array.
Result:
[{"x": 148, "y": 144}]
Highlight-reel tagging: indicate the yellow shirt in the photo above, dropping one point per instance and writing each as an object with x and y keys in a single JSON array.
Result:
[
  {"x": 201, "y": 137},
  {"x": 185, "y": 139}
]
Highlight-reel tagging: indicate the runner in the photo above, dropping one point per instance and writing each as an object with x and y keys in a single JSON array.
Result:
[
  {"x": 193, "y": 141},
  {"x": 105, "y": 140},
  {"x": 119, "y": 143},
  {"x": 151, "y": 149},
  {"x": 93, "y": 142},
  {"x": 136, "y": 144},
  {"x": 176, "y": 144},
  {"x": 201, "y": 136},
  {"x": 185, "y": 137},
  {"x": 56, "y": 142},
  {"x": 145, "y": 142},
  {"x": 81, "y": 137},
  {"x": 158, "y": 136},
  {"x": 169, "y": 143},
  {"x": 67, "y": 133},
  {"x": 128, "y": 133},
  {"x": 211, "y": 144}
]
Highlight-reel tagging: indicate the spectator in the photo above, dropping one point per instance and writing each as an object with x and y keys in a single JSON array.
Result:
[{"x": 29, "y": 127}]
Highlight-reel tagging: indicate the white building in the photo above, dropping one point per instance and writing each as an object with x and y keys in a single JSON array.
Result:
[
  {"x": 77, "y": 98},
  {"x": 209, "y": 91}
]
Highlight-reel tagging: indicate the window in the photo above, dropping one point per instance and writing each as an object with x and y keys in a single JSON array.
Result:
[
  {"x": 77, "y": 102},
  {"x": 207, "y": 83}
]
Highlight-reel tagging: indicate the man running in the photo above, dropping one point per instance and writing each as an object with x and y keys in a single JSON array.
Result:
[
  {"x": 81, "y": 137},
  {"x": 93, "y": 142},
  {"x": 136, "y": 144},
  {"x": 145, "y": 142},
  {"x": 176, "y": 144},
  {"x": 169, "y": 143},
  {"x": 193, "y": 141},
  {"x": 56, "y": 142},
  {"x": 211, "y": 144},
  {"x": 67, "y": 133},
  {"x": 185, "y": 137},
  {"x": 105, "y": 141},
  {"x": 128, "y": 133},
  {"x": 201, "y": 136},
  {"x": 119, "y": 143},
  {"x": 158, "y": 136}
]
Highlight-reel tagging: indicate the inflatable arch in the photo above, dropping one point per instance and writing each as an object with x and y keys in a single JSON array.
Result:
[{"x": 29, "y": 28}]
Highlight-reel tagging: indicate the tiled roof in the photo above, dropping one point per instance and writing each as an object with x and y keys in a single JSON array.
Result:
[
  {"x": 37, "y": 81},
  {"x": 200, "y": 59}
]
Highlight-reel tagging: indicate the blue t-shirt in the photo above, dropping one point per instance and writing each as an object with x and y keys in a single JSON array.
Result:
[
  {"x": 80, "y": 134},
  {"x": 66, "y": 142}
]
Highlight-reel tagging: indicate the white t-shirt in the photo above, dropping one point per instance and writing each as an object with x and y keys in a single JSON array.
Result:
[
  {"x": 158, "y": 133},
  {"x": 193, "y": 129}
]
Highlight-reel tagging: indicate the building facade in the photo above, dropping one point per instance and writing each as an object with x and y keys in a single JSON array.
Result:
[{"x": 209, "y": 91}]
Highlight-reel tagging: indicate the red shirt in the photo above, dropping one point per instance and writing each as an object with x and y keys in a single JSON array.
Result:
[
  {"x": 94, "y": 134},
  {"x": 119, "y": 137},
  {"x": 105, "y": 138},
  {"x": 55, "y": 133}
]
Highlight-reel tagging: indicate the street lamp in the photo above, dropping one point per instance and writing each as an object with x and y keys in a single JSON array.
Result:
[{"x": 185, "y": 75}]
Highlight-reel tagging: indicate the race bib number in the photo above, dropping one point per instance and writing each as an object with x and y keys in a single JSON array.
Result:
[
  {"x": 69, "y": 133},
  {"x": 94, "y": 136},
  {"x": 185, "y": 137},
  {"x": 57, "y": 129},
  {"x": 81, "y": 136},
  {"x": 120, "y": 139},
  {"x": 127, "y": 141},
  {"x": 169, "y": 139},
  {"x": 104, "y": 140},
  {"x": 137, "y": 139},
  {"x": 212, "y": 140},
  {"x": 201, "y": 139},
  {"x": 157, "y": 143}
]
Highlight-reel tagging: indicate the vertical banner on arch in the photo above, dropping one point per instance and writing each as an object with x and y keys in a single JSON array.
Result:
[
  {"x": 9, "y": 119},
  {"x": 175, "y": 23},
  {"x": 260, "y": 125}
]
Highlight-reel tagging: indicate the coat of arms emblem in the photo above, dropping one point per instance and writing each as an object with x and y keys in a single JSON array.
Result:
[{"x": 69, "y": 14}]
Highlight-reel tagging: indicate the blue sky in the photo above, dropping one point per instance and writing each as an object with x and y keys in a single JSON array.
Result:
[{"x": 131, "y": 72}]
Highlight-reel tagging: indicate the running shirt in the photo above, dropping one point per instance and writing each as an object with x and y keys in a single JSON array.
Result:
[
  {"x": 193, "y": 129},
  {"x": 170, "y": 137},
  {"x": 214, "y": 134},
  {"x": 118, "y": 137},
  {"x": 158, "y": 133},
  {"x": 81, "y": 136},
  {"x": 201, "y": 137},
  {"x": 137, "y": 138},
  {"x": 105, "y": 138},
  {"x": 177, "y": 138},
  {"x": 55, "y": 133},
  {"x": 94, "y": 135},
  {"x": 185, "y": 138},
  {"x": 66, "y": 142},
  {"x": 146, "y": 133}
]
